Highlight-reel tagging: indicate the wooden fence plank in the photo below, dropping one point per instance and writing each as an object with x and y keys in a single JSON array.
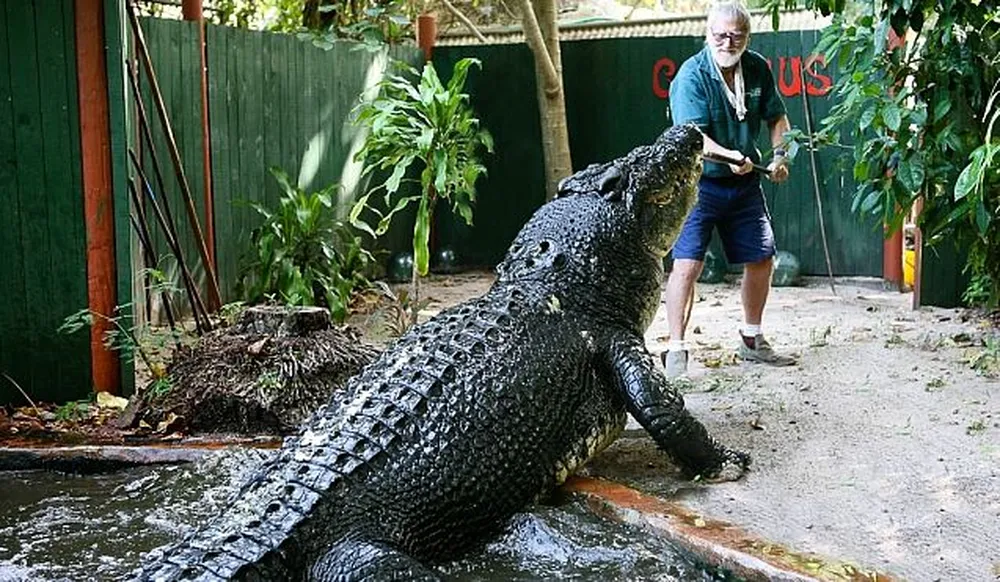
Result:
[
  {"x": 12, "y": 311},
  {"x": 65, "y": 252},
  {"x": 219, "y": 145},
  {"x": 30, "y": 145}
]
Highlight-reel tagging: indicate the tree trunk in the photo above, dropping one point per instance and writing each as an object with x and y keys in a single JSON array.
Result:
[{"x": 538, "y": 18}]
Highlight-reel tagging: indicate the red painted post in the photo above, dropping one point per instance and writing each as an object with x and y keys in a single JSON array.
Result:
[
  {"x": 892, "y": 247},
  {"x": 192, "y": 10},
  {"x": 426, "y": 34},
  {"x": 98, "y": 195},
  {"x": 892, "y": 259}
]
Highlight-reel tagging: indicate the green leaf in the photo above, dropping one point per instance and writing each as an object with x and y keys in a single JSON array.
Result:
[
  {"x": 860, "y": 195},
  {"x": 861, "y": 171},
  {"x": 398, "y": 171},
  {"x": 968, "y": 180},
  {"x": 426, "y": 138},
  {"x": 421, "y": 236},
  {"x": 982, "y": 218},
  {"x": 457, "y": 81},
  {"x": 465, "y": 211},
  {"x": 866, "y": 118},
  {"x": 911, "y": 172},
  {"x": 892, "y": 116},
  {"x": 871, "y": 202},
  {"x": 440, "y": 172},
  {"x": 282, "y": 177}
]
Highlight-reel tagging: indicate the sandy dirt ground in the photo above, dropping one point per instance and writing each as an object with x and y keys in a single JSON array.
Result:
[{"x": 881, "y": 448}]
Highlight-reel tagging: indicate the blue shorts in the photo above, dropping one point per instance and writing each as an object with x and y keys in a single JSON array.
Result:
[{"x": 737, "y": 208}]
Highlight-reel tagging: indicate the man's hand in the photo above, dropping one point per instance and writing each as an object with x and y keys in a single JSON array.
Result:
[
  {"x": 744, "y": 168},
  {"x": 779, "y": 169}
]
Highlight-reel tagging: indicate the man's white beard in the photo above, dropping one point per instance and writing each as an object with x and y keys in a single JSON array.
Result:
[{"x": 726, "y": 59}]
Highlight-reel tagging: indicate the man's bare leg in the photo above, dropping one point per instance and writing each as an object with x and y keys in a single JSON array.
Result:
[
  {"x": 754, "y": 292},
  {"x": 755, "y": 289},
  {"x": 680, "y": 286}
]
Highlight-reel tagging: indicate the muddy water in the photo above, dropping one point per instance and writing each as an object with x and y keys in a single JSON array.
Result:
[{"x": 67, "y": 527}]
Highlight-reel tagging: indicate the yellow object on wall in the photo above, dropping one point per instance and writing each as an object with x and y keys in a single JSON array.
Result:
[{"x": 909, "y": 266}]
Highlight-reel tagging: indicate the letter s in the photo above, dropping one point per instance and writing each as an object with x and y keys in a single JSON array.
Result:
[{"x": 663, "y": 69}]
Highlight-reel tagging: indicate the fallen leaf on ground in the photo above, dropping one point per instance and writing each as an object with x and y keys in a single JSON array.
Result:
[
  {"x": 106, "y": 400},
  {"x": 166, "y": 423}
]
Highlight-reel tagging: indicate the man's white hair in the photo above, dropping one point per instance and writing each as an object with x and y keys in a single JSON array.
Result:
[{"x": 729, "y": 11}]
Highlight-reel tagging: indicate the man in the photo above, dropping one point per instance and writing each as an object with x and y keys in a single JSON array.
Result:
[{"x": 727, "y": 91}]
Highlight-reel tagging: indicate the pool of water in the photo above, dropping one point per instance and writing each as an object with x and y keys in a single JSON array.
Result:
[{"x": 56, "y": 526}]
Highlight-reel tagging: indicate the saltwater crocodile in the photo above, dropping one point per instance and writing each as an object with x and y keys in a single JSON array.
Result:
[{"x": 472, "y": 415}]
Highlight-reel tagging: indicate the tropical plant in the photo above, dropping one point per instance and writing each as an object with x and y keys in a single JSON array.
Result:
[
  {"x": 916, "y": 107},
  {"x": 129, "y": 341},
  {"x": 417, "y": 122},
  {"x": 375, "y": 24},
  {"x": 151, "y": 345},
  {"x": 303, "y": 255}
]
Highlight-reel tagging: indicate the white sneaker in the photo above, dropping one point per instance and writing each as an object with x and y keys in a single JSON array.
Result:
[{"x": 675, "y": 362}]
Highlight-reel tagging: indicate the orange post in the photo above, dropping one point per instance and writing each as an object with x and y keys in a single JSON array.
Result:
[
  {"x": 98, "y": 199},
  {"x": 426, "y": 34},
  {"x": 191, "y": 9},
  {"x": 892, "y": 258},
  {"x": 892, "y": 247}
]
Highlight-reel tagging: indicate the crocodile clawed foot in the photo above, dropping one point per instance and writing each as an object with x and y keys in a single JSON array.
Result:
[{"x": 734, "y": 465}]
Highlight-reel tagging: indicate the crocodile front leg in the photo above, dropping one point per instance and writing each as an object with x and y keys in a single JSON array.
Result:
[{"x": 659, "y": 407}]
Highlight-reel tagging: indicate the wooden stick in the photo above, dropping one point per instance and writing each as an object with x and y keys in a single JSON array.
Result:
[
  {"x": 147, "y": 137},
  {"x": 141, "y": 226},
  {"x": 727, "y": 160},
  {"x": 197, "y": 306},
  {"x": 215, "y": 297},
  {"x": 815, "y": 180},
  {"x": 23, "y": 393},
  {"x": 465, "y": 20}
]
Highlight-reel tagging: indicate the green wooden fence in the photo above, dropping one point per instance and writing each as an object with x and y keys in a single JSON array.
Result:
[
  {"x": 274, "y": 100},
  {"x": 42, "y": 238},
  {"x": 615, "y": 99},
  {"x": 173, "y": 47}
]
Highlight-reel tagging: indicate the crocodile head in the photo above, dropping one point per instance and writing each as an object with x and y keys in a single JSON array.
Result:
[
  {"x": 657, "y": 182},
  {"x": 662, "y": 185}
]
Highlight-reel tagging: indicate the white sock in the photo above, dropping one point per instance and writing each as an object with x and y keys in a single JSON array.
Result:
[
  {"x": 676, "y": 345},
  {"x": 750, "y": 330}
]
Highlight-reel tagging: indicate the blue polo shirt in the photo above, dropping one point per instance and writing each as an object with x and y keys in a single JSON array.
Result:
[{"x": 696, "y": 95}]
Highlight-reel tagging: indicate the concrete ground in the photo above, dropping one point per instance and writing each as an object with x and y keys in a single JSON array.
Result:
[{"x": 879, "y": 449}]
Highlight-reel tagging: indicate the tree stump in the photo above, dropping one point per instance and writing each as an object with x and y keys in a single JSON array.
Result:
[{"x": 264, "y": 375}]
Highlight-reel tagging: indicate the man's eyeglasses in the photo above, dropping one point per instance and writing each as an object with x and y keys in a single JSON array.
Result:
[{"x": 734, "y": 37}]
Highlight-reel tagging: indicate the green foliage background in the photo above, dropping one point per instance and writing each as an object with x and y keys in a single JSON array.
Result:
[{"x": 918, "y": 118}]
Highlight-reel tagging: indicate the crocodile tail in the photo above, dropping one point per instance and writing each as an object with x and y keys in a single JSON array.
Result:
[
  {"x": 248, "y": 539},
  {"x": 363, "y": 560}
]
